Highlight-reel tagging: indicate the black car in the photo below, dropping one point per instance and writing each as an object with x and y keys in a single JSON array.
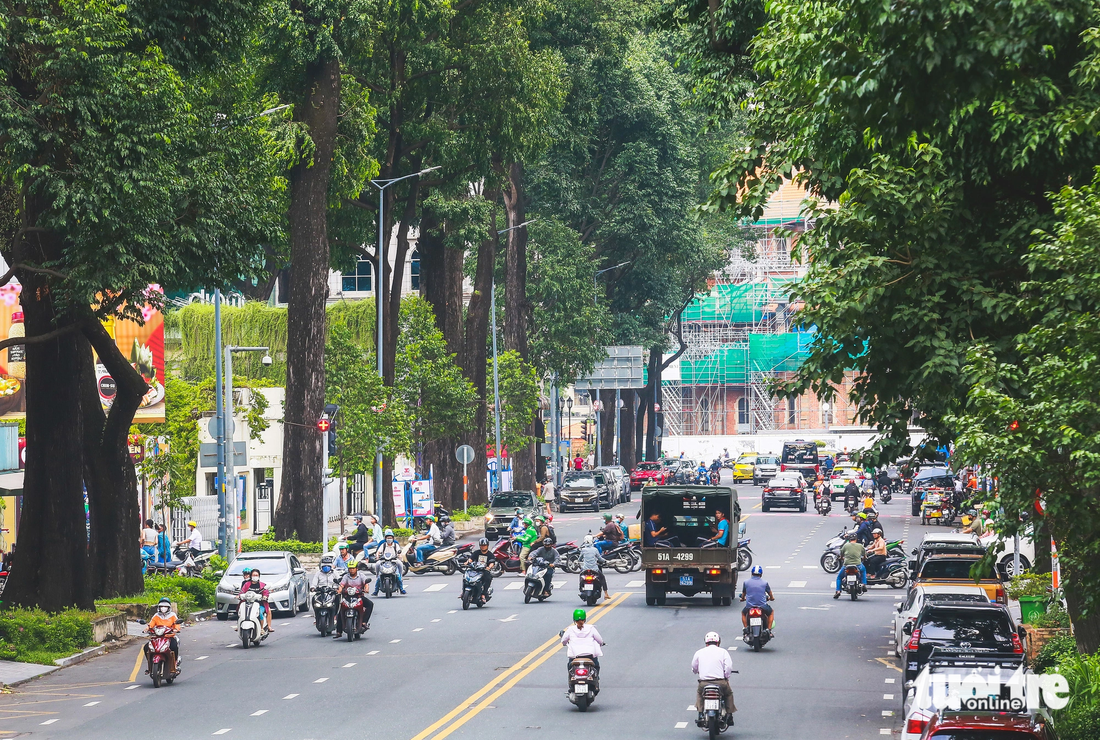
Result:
[
  {"x": 926, "y": 479},
  {"x": 587, "y": 489},
  {"x": 800, "y": 456},
  {"x": 957, "y": 629},
  {"x": 785, "y": 489}
]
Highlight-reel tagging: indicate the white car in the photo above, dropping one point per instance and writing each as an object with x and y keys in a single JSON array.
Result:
[
  {"x": 1005, "y": 561},
  {"x": 920, "y": 595},
  {"x": 841, "y": 475}
]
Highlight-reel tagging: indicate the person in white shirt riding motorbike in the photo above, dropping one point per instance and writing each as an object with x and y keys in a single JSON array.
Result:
[
  {"x": 582, "y": 639},
  {"x": 712, "y": 665}
]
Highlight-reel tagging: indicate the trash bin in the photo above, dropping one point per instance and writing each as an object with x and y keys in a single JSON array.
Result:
[{"x": 1031, "y": 606}]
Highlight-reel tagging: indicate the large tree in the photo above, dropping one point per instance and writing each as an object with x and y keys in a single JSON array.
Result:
[{"x": 116, "y": 174}]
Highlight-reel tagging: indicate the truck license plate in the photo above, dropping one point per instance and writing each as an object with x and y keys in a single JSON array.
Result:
[
  {"x": 582, "y": 688},
  {"x": 709, "y": 704},
  {"x": 756, "y": 621},
  {"x": 687, "y": 580}
]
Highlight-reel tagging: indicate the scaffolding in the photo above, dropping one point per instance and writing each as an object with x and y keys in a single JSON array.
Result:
[{"x": 739, "y": 339}]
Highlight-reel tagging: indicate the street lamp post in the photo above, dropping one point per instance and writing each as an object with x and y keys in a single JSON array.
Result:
[
  {"x": 381, "y": 261},
  {"x": 595, "y": 288},
  {"x": 219, "y": 414},
  {"x": 227, "y": 429},
  {"x": 569, "y": 429},
  {"x": 496, "y": 374}
]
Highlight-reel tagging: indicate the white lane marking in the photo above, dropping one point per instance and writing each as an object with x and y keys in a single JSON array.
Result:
[
  {"x": 48, "y": 722},
  {"x": 732, "y": 648},
  {"x": 885, "y": 731},
  {"x": 321, "y": 680},
  {"x": 513, "y": 587},
  {"x": 453, "y": 611},
  {"x": 373, "y": 652},
  {"x": 557, "y": 584},
  {"x": 232, "y": 644},
  {"x": 889, "y": 680},
  {"x": 510, "y": 618},
  {"x": 418, "y": 629},
  {"x": 681, "y": 725},
  {"x": 887, "y": 712},
  {"x": 222, "y": 731},
  {"x": 393, "y": 641},
  {"x": 347, "y": 665},
  {"x": 258, "y": 712},
  {"x": 202, "y": 657},
  {"x": 436, "y": 587},
  {"x": 888, "y": 697},
  {"x": 809, "y": 567},
  {"x": 796, "y": 584},
  {"x": 636, "y": 584},
  {"x": 290, "y": 696},
  {"x": 132, "y": 686},
  {"x": 815, "y": 608},
  {"x": 435, "y": 620},
  {"x": 772, "y": 567},
  {"x": 91, "y": 703}
]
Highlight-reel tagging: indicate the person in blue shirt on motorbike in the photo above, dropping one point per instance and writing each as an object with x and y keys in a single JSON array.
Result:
[{"x": 756, "y": 593}]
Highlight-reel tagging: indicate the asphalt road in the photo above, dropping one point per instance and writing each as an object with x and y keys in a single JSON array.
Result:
[{"x": 427, "y": 670}]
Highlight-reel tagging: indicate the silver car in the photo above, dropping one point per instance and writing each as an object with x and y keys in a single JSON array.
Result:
[
  {"x": 281, "y": 572},
  {"x": 765, "y": 469},
  {"x": 622, "y": 480}
]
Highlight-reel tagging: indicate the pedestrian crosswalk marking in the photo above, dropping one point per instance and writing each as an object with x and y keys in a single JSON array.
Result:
[
  {"x": 888, "y": 697},
  {"x": 513, "y": 587},
  {"x": 681, "y": 725},
  {"x": 436, "y": 587},
  {"x": 373, "y": 652},
  {"x": 258, "y": 712},
  {"x": 796, "y": 584},
  {"x": 91, "y": 703},
  {"x": 134, "y": 686},
  {"x": 347, "y": 665},
  {"x": 635, "y": 584},
  {"x": 290, "y": 696},
  {"x": 889, "y": 680},
  {"x": 202, "y": 657},
  {"x": 393, "y": 641},
  {"x": 772, "y": 567},
  {"x": 321, "y": 680},
  {"x": 49, "y": 722},
  {"x": 223, "y": 730}
]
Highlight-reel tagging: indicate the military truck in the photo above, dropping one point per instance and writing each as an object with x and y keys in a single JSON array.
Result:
[{"x": 677, "y": 560}]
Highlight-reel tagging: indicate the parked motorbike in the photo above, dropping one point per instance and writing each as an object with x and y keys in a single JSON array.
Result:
[
  {"x": 756, "y": 635},
  {"x": 716, "y": 717},
  {"x": 570, "y": 556},
  {"x": 442, "y": 560},
  {"x": 830, "y": 559},
  {"x": 590, "y": 586},
  {"x": 387, "y": 576},
  {"x": 352, "y": 612},
  {"x": 851, "y": 582},
  {"x": 251, "y": 624},
  {"x": 162, "y": 661},
  {"x": 473, "y": 587},
  {"x": 536, "y": 584},
  {"x": 584, "y": 681},
  {"x": 744, "y": 555},
  {"x": 324, "y": 609},
  {"x": 184, "y": 564}
]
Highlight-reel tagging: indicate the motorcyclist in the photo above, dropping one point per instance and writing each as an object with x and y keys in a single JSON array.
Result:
[
  {"x": 433, "y": 539},
  {"x": 446, "y": 531},
  {"x": 716, "y": 466},
  {"x": 324, "y": 575},
  {"x": 712, "y": 665},
  {"x": 876, "y": 553},
  {"x": 756, "y": 592},
  {"x": 354, "y": 579},
  {"x": 851, "y": 554},
  {"x": 516, "y": 525},
  {"x": 253, "y": 583},
  {"x": 610, "y": 536},
  {"x": 165, "y": 617},
  {"x": 701, "y": 472},
  {"x": 876, "y": 525},
  {"x": 883, "y": 480},
  {"x": 592, "y": 559},
  {"x": 549, "y": 555},
  {"x": 582, "y": 639},
  {"x": 851, "y": 495},
  {"x": 389, "y": 550},
  {"x": 863, "y": 531},
  {"x": 526, "y": 540},
  {"x": 341, "y": 561},
  {"x": 359, "y": 537},
  {"x": 481, "y": 558}
]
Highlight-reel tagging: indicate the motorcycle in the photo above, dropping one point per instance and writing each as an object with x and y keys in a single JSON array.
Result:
[
  {"x": 894, "y": 572},
  {"x": 473, "y": 588},
  {"x": 351, "y": 612},
  {"x": 824, "y": 504},
  {"x": 387, "y": 576},
  {"x": 885, "y": 494},
  {"x": 535, "y": 583},
  {"x": 590, "y": 587},
  {"x": 251, "y": 624},
  {"x": 324, "y": 609},
  {"x": 506, "y": 558},
  {"x": 702, "y": 478},
  {"x": 937, "y": 507},
  {"x": 162, "y": 661},
  {"x": 851, "y": 582},
  {"x": 830, "y": 559},
  {"x": 441, "y": 560},
  {"x": 716, "y": 717},
  {"x": 756, "y": 634},
  {"x": 463, "y": 554},
  {"x": 744, "y": 555},
  {"x": 584, "y": 681},
  {"x": 622, "y": 557},
  {"x": 185, "y": 563},
  {"x": 715, "y": 477}
]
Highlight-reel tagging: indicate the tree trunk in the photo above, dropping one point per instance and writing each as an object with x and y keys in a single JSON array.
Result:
[
  {"x": 626, "y": 430},
  {"x": 391, "y": 286},
  {"x": 640, "y": 418},
  {"x": 113, "y": 505},
  {"x": 517, "y": 310},
  {"x": 607, "y": 426},
  {"x": 654, "y": 399},
  {"x": 52, "y": 520},
  {"x": 1086, "y": 627},
  {"x": 299, "y": 509}
]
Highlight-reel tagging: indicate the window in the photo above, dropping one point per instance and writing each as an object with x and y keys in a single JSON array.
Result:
[
  {"x": 792, "y": 411},
  {"x": 414, "y": 270},
  {"x": 742, "y": 410},
  {"x": 360, "y": 281}
]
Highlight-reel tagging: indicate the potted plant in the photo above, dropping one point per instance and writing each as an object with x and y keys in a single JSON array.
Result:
[{"x": 1033, "y": 591}]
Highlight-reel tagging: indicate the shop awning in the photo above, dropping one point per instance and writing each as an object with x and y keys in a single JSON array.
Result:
[{"x": 11, "y": 483}]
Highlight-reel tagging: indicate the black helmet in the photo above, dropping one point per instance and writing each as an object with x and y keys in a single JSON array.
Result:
[
  {"x": 483, "y": 542},
  {"x": 548, "y": 542},
  {"x": 444, "y": 519}
]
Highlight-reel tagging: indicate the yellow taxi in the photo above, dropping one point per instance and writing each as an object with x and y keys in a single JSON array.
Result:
[
  {"x": 745, "y": 467},
  {"x": 955, "y": 570}
]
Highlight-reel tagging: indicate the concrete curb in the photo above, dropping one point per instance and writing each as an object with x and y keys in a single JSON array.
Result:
[{"x": 82, "y": 656}]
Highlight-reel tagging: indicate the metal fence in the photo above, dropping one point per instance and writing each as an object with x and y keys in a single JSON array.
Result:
[{"x": 204, "y": 512}]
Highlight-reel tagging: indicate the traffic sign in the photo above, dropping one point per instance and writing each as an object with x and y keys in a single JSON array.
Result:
[
  {"x": 465, "y": 454},
  {"x": 212, "y": 427},
  {"x": 323, "y": 424}
]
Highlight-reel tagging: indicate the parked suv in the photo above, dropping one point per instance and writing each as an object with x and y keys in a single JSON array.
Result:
[
  {"x": 955, "y": 570},
  {"x": 957, "y": 630},
  {"x": 502, "y": 508},
  {"x": 620, "y": 483},
  {"x": 766, "y": 468},
  {"x": 586, "y": 489}
]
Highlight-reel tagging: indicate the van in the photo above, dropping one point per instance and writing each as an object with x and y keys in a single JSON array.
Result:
[{"x": 800, "y": 456}]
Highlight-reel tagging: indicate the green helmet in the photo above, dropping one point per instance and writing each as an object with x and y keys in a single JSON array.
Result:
[
  {"x": 246, "y": 571},
  {"x": 607, "y": 517},
  {"x": 579, "y": 615},
  {"x": 527, "y": 520}
]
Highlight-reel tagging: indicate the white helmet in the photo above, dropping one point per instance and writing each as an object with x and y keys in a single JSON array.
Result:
[
  {"x": 712, "y": 637},
  {"x": 587, "y": 540}
]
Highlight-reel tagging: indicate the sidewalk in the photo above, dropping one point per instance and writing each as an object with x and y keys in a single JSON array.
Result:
[{"x": 13, "y": 674}]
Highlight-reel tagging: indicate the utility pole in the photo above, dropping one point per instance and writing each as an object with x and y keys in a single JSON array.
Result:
[{"x": 219, "y": 412}]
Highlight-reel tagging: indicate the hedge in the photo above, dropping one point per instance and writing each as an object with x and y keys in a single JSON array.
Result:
[
  {"x": 188, "y": 593},
  {"x": 34, "y": 636},
  {"x": 294, "y": 546}
]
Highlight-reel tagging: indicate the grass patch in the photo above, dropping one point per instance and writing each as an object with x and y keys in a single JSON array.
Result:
[
  {"x": 35, "y": 636},
  {"x": 188, "y": 593}
]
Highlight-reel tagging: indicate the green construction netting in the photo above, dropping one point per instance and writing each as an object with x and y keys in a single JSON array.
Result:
[
  {"x": 730, "y": 365},
  {"x": 731, "y": 303}
]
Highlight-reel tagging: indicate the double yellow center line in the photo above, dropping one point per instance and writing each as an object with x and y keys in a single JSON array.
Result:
[{"x": 468, "y": 709}]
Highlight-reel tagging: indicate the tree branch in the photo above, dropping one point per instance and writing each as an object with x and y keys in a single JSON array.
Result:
[{"x": 39, "y": 338}]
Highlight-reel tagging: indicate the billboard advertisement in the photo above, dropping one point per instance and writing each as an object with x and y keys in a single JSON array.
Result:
[{"x": 143, "y": 345}]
